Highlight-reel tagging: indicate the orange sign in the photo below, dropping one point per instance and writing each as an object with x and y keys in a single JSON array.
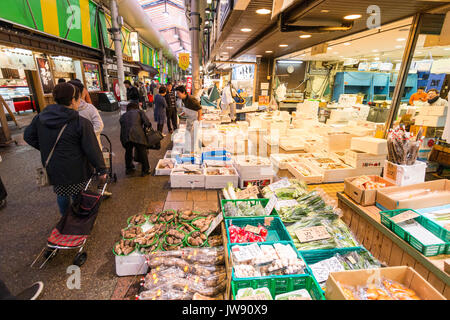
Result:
[{"x": 183, "y": 60}]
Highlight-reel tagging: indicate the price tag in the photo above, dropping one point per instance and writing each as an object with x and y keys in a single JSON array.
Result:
[
  {"x": 286, "y": 203},
  {"x": 352, "y": 261},
  {"x": 268, "y": 221},
  {"x": 312, "y": 234},
  {"x": 248, "y": 193},
  {"x": 391, "y": 171},
  {"x": 405, "y": 216},
  {"x": 253, "y": 229},
  {"x": 217, "y": 220},
  {"x": 283, "y": 183},
  {"x": 269, "y": 207}
]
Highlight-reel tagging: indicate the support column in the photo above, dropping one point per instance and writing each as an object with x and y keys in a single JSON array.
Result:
[
  {"x": 161, "y": 65},
  {"x": 117, "y": 38},
  {"x": 195, "y": 45},
  {"x": 404, "y": 70}
]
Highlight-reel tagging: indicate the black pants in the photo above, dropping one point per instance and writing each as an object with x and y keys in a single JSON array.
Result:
[
  {"x": 141, "y": 153},
  {"x": 160, "y": 127},
  {"x": 172, "y": 118},
  {"x": 4, "y": 292},
  {"x": 3, "y": 193}
]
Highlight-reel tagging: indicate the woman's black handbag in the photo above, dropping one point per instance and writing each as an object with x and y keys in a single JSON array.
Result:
[{"x": 153, "y": 138}]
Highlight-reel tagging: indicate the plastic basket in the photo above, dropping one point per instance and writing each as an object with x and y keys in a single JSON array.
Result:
[
  {"x": 137, "y": 225},
  {"x": 136, "y": 246},
  {"x": 426, "y": 250},
  {"x": 263, "y": 201},
  {"x": 314, "y": 256},
  {"x": 278, "y": 286},
  {"x": 187, "y": 244},
  {"x": 174, "y": 211},
  {"x": 266, "y": 278},
  {"x": 275, "y": 232},
  {"x": 132, "y": 226},
  {"x": 156, "y": 239}
]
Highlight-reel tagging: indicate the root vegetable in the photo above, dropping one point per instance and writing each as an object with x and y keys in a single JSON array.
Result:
[
  {"x": 124, "y": 247},
  {"x": 137, "y": 219}
]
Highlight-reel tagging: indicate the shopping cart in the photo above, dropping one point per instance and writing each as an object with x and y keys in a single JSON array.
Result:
[
  {"x": 107, "y": 155},
  {"x": 75, "y": 226}
]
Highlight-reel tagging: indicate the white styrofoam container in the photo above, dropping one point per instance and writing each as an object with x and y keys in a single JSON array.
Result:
[
  {"x": 133, "y": 264},
  {"x": 315, "y": 176},
  {"x": 369, "y": 145},
  {"x": 180, "y": 180},
  {"x": 403, "y": 175},
  {"x": 164, "y": 172},
  {"x": 220, "y": 181}
]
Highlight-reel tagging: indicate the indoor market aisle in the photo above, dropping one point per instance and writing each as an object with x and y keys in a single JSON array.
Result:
[{"x": 31, "y": 214}]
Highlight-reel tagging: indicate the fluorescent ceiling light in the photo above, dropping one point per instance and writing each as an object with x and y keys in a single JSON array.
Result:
[
  {"x": 375, "y": 50},
  {"x": 304, "y": 36},
  {"x": 377, "y": 59},
  {"x": 283, "y": 45},
  {"x": 336, "y": 52},
  {"x": 401, "y": 39},
  {"x": 263, "y": 11},
  {"x": 246, "y": 29},
  {"x": 330, "y": 48},
  {"x": 347, "y": 43},
  {"x": 269, "y": 51},
  {"x": 324, "y": 11},
  {"x": 290, "y": 61},
  {"x": 208, "y": 1},
  {"x": 352, "y": 17},
  {"x": 229, "y": 47},
  {"x": 447, "y": 49},
  {"x": 398, "y": 47}
]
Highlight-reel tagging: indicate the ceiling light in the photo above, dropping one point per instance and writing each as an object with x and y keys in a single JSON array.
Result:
[
  {"x": 447, "y": 49},
  {"x": 377, "y": 59},
  {"x": 229, "y": 47},
  {"x": 225, "y": 53},
  {"x": 283, "y": 45},
  {"x": 375, "y": 50},
  {"x": 290, "y": 61},
  {"x": 263, "y": 11},
  {"x": 398, "y": 47},
  {"x": 269, "y": 51},
  {"x": 304, "y": 36},
  {"x": 324, "y": 11},
  {"x": 352, "y": 17},
  {"x": 207, "y": 22},
  {"x": 246, "y": 29},
  {"x": 401, "y": 39},
  {"x": 258, "y": 56},
  {"x": 347, "y": 43},
  {"x": 166, "y": 14}
]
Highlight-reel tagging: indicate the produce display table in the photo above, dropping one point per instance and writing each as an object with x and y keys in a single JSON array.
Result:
[{"x": 388, "y": 247}]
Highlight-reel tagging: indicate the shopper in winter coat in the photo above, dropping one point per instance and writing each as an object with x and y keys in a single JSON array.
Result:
[
  {"x": 143, "y": 98},
  {"x": 160, "y": 108},
  {"x": 132, "y": 136},
  {"x": 172, "y": 116},
  {"x": 434, "y": 99},
  {"x": 132, "y": 92},
  {"x": 77, "y": 152}
]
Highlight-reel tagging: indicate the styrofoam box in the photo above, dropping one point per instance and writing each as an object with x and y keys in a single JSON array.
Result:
[
  {"x": 403, "y": 175},
  {"x": 315, "y": 176},
  {"x": 164, "y": 172},
  {"x": 359, "y": 159},
  {"x": 220, "y": 182},
  {"x": 131, "y": 265},
  {"x": 369, "y": 145},
  {"x": 438, "y": 111},
  {"x": 180, "y": 180}
]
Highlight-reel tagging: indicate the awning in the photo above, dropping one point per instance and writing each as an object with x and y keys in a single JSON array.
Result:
[{"x": 151, "y": 70}]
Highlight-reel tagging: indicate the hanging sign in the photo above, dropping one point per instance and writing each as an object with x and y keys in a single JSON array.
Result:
[
  {"x": 183, "y": 60},
  {"x": 189, "y": 85},
  {"x": 45, "y": 74},
  {"x": 134, "y": 44}
]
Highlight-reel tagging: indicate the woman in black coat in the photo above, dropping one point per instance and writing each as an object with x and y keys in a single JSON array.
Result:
[
  {"x": 160, "y": 108},
  {"x": 132, "y": 136},
  {"x": 77, "y": 152}
]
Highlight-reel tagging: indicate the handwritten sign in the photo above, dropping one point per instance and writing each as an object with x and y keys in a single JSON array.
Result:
[
  {"x": 269, "y": 207},
  {"x": 249, "y": 193},
  {"x": 283, "y": 183},
  {"x": 312, "y": 234},
  {"x": 391, "y": 171},
  {"x": 405, "y": 216},
  {"x": 217, "y": 220},
  {"x": 286, "y": 203},
  {"x": 253, "y": 229}
]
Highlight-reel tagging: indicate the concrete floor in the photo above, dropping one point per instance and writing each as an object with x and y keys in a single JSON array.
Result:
[{"x": 31, "y": 213}]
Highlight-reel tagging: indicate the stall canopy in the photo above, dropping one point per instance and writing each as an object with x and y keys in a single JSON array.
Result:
[{"x": 152, "y": 71}]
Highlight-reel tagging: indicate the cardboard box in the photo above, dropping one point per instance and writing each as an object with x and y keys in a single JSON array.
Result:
[
  {"x": 432, "y": 121},
  {"x": 315, "y": 177},
  {"x": 361, "y": 196},
  {"x": 437, "y": 111},
  {"x": 369, "y": 145},
  {"x": 403, "y": 175},
  {"x": 360, "y": 159},
  {"x": 386, "y": 201},
  {"x": 338, "y": 141},
  {"x": 404, "y": 275}
]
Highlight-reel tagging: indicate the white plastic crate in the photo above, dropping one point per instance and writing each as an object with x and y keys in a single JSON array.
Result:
[
  {"x": 133, "y": 264},
  {"x": 164, "y": 172},
  {"x": 220, "y": 181}
]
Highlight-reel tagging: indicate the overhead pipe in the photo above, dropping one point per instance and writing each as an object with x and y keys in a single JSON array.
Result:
[{"x": 284, "y": 27}]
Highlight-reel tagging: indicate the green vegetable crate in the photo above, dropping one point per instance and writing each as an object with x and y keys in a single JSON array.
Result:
[
  {"x": 275, "y": 232},
  {"x": 314, "y": 256},
  {"x": 278, "y": 286},
  {"x": 252, "y": 202},
  {"x": 426, "y": 250}
]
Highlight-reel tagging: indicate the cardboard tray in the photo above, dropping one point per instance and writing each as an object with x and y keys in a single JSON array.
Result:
[
  {"x": 405, "y": 275},
  {"x": 384, "y": 200},
  {"x": 363, "y": 197},
  {"x": 316, "y": 177}
]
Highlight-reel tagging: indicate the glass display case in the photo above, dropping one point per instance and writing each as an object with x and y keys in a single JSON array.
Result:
[{"x": 9, "y": 93}]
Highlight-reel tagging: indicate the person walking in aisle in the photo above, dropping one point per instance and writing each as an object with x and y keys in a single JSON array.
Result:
[
  {"x": 143, "y": 96},
  {"x": 193, "y": 112},
  {"x": 132, "y": 136},
  {"x": 172, "y": 116},
  {"x": 68, "y": 145},
  {"x": 160, "y": 108},
  {"x": 132, "y": 92}
]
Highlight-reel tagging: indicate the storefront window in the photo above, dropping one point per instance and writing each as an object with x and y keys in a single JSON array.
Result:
[{"x": 92, "y": 76}]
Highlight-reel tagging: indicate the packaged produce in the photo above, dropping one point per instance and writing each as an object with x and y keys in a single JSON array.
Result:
[
  {"x": 295, "y": 190},
  {"x": 196, "y": 238},
  {"x": 240, "y": 235},
  {"x": 310, "y": 203},
  {"x": 403, "y": 146},
  {"x": 132, "y": 232},
  {"x": 137, "y": 220},
  {"x": 243, "y": 209},
  {"x": 384, "y": 289},
  {"x": 254, "y": 294},
  {"x": 365, "y": 183},
  {"x": 301, "y": 294},
  {"x": 165, "y": 164},
  {"x": 124, "y": 247}
]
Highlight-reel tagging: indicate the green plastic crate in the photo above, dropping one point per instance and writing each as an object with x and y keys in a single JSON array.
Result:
[
  {"x": 278, "y": 286},
  {"x": 314, "y": 256},
  {"x": 307, "y": 269},
  {"x": 263, "y": 201},
  {"x": 434, "y": 227},
  {"x": 275, "y": 232},
  {"x": 426, "y": 250}
]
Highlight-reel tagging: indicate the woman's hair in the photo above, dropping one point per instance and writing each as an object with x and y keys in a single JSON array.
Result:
[
  {"x": 61, "y": 80},
  {"x": 64, "y": 92},
  {"x": 132, "y": 106},
  {"x": 77, "y": 83},
  {"x": 162, "y": 89}
]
